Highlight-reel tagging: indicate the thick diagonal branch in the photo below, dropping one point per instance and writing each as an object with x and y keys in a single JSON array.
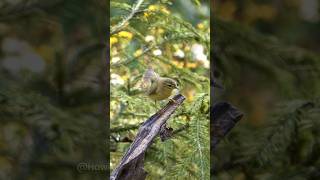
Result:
[{"x": 131, "y": 165}]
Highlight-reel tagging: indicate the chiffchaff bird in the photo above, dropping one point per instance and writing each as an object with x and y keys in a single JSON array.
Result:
[{"x": 158, "y": 88}]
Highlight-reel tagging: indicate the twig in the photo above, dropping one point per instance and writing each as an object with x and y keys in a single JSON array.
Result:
[
  {"x": 131, "y": 165},
  {"x": 121, "y": 129},
  {"x": 118, "y": 27},
  {"x": 125, "y": 62}
]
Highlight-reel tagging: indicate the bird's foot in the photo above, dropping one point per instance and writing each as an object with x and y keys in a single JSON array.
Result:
[{"x": 173, "y": 101}]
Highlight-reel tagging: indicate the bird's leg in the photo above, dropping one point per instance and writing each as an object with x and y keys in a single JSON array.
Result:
[{"x": 156, "y": 105}]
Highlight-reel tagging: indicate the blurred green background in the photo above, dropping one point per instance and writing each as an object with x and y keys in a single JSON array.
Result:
[
  {"x": 173, "y": 37},
  {"x": 266, "y": 55},
  {"x": 52, "y": 89}
]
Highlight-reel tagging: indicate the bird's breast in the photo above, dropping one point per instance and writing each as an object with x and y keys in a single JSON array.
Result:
[{"x": 161, "y": 94}]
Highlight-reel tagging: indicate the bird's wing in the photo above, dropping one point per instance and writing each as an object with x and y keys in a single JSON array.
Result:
[
  {"x": 149, "y": 79},
  {"x": 150, "y": 74},
  {"x": 152, "y": 89}
]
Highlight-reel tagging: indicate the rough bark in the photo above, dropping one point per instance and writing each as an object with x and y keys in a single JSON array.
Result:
[{"x": 131, "y": 165}]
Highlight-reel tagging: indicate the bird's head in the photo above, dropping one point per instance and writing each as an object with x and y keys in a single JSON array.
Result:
[{"x": 170, "y": 84}]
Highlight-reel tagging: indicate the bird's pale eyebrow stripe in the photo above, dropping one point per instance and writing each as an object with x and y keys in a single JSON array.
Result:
[{"x": 169, "y": 83}]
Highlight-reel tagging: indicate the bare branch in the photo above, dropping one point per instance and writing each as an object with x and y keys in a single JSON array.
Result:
[
  {"x": 123, "y": 23},
  {"x": 131, "y": 165}
]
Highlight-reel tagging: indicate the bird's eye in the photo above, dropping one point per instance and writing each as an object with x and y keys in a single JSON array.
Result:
[{"x": 169, "y": 85}]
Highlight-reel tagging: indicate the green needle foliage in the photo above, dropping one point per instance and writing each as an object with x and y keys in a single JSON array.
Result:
[
  {"x": 150, "y": 33},
  {"x": 52, "y": 118},
  {"x": 276, "y": 86}
]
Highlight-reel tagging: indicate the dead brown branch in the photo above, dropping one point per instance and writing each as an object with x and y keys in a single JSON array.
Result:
[{"x": 131, "y": 165}]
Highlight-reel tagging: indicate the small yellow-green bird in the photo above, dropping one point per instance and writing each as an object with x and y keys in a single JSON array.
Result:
[{"x": 158, "y": 88}]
